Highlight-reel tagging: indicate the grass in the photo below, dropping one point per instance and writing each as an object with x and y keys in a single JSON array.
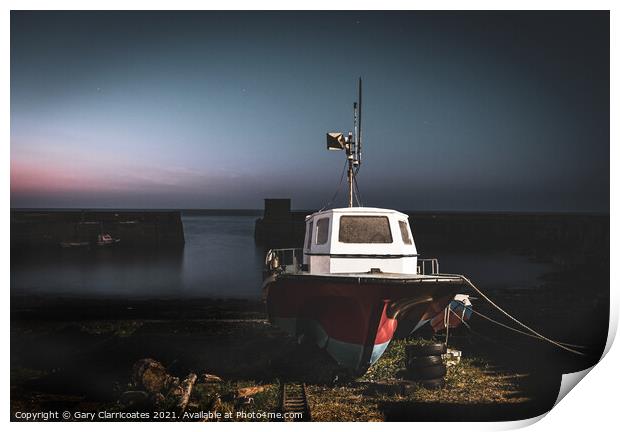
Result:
[
  {"x": 120, "y": 328},
  {"x": 219, "y": 398},
  {"x": 472, "y": 381}
]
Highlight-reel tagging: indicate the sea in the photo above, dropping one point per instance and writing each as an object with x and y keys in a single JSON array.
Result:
[{"x": 220, "y": 260}]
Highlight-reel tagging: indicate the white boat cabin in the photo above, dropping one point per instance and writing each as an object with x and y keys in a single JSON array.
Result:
[{"x": 359, "y": 240}]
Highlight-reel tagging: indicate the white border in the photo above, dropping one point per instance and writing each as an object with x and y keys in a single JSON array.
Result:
[{"x": 592, "y": 406}]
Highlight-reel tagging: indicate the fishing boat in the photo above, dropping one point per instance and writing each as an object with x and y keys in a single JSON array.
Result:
[
  {"x": 106, "y": 240},
  {"x": 358, "y": 280}
]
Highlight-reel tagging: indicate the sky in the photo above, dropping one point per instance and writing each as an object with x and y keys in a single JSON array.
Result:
[{"x": 463, "y": 111}]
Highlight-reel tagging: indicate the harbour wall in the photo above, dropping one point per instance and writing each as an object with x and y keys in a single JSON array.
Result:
[
  {"x": 39, "y": 229},
  {"x": 564, "y": 238},
  {"x": 561, "y": 237}
]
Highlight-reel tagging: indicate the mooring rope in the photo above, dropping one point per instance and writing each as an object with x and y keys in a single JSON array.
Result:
[
  {"x": 481, "y": 336},
  {"x": 492, "y": 303},
  {"x": 475, "y": 333},
  {"x": 517, "y": 330}
]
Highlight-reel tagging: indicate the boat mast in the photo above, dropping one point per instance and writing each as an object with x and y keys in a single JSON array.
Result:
[
  {"x": 352, "y": 143},
  {"x": 354, "y": 152},
  {"x": 351, "y": 153}
]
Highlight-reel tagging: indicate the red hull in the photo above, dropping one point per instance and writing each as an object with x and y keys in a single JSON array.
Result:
[{"x": 354, "y": 317}]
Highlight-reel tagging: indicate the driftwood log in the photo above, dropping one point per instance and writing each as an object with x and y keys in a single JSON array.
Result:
[
  {"x": 183, "y": 392},
  {"x": 249, "y": 391},
  {"x": 160, "y": 387},
  {"x": 209, "y": 378},
  {"x": 153, "y": 377}
]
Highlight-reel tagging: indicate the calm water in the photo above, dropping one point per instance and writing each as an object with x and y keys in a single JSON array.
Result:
[{"x": 220, "y": 260}]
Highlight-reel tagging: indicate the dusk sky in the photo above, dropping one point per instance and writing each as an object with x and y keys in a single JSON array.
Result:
[{"x": 462, "y": 111}]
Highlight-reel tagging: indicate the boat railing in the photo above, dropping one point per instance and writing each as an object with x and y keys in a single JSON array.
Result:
[
  {"x": 288, "y": 260},
  {"x": 428, "y": 266}
]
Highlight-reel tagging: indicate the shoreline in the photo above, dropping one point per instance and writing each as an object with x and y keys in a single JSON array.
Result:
[{"x": 58, "y": 308}]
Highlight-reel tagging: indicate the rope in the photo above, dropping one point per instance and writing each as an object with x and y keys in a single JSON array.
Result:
[
  {"x": 517, "y": 330},
  {"x": 486, "y": 338},
  {"x": 551, "y": 341}
]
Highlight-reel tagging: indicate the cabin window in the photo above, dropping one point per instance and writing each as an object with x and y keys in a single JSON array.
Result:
[
  {"x": 404, "y": 232},
  {"x": 364, "y": 229},
  {"x": 309, "y": 237},
  {"x": 322, "y": 229}
]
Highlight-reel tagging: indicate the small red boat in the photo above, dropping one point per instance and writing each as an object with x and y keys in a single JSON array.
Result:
[
  {"x": 106, "y": 240},
  {"x": 358, "y": 277}
]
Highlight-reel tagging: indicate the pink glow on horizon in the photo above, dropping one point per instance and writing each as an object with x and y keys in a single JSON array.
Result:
[
  {"x": 45, "y": 177},
  {"x": 32, "y": 177}
]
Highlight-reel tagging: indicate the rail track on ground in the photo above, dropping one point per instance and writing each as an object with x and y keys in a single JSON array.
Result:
[{"x": 294, "y": 402}]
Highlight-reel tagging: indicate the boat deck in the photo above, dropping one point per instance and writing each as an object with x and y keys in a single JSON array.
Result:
[{"x": 380, "y": 277}]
